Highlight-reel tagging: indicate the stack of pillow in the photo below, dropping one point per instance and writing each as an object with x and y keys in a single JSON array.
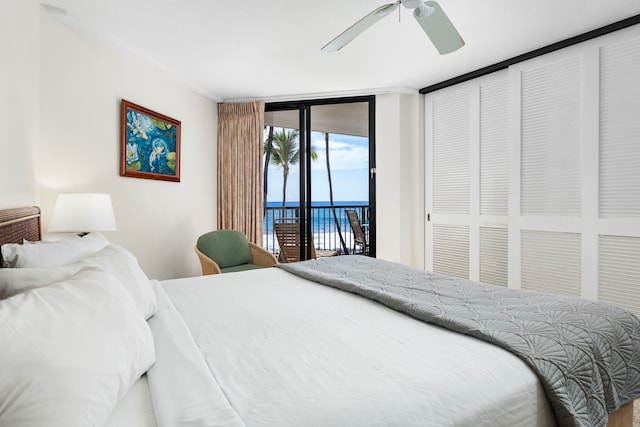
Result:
[{"x": 73, "y": 330}]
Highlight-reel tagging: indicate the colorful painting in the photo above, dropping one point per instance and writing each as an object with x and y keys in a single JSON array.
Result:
[{"x": 150, "y": 144}]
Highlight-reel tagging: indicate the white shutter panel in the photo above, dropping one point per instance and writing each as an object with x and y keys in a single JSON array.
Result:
[
  {"x": 620, "y": 130},
  {"x": 451, "y": 153},
  {"x": 494, "y": 255},
  {"x": 619, "y": 270},
  {"x": 494, "y": 148},
  {"x": 451, "y": 250},
  {"x": 551, "y": 262},
  {"x": 572, "y": 210},
  {"x": 551, "y": 139}
]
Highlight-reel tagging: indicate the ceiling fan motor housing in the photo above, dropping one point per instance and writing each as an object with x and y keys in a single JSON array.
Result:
[{"x": 420, "y": 8}]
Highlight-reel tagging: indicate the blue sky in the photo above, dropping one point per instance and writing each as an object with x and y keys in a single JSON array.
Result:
[{"x": 349, "y": 158}]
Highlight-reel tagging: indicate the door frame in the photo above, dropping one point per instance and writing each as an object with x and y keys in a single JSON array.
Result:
[{"x": 304, "y": 121}]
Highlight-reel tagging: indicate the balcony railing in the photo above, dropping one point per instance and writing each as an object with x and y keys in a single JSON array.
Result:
[{"x": 323, "y": 226}]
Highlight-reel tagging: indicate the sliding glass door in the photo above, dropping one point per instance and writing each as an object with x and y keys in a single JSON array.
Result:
[{"x": 319, "y": 165}]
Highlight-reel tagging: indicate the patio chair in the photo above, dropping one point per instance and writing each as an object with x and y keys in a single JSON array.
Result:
[
  {"x": 359, "y": 237},
  {"x": 288, "y": 234},
  {"x": 225, "y": 251}
]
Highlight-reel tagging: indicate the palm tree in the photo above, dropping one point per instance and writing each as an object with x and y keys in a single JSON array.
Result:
[
  {"x": 333, "y": 208},
  {"x": 284, "y": 152},
  {"x": 267, "y": 160}
]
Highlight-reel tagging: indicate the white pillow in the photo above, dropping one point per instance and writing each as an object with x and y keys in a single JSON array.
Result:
[
  {"x": 113, "y": 259},
  {"x": 70, "y": 351},
  {"x": 14, "y": 281},
  {"x": 52, "y": 253},
  {"x": 124, "y": 266}
]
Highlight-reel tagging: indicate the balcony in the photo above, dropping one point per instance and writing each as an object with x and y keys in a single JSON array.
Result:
[{"x": 323, "y": 225}]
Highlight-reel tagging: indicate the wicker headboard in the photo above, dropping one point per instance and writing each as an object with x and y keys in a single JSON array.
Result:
[{"x": 20, "y": 223}]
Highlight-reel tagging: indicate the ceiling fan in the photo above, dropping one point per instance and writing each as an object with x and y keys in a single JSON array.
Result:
[{"x": 429, "y": 15}]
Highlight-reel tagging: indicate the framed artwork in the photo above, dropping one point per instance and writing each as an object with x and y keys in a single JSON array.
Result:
[{"x": 150, "y": 144}]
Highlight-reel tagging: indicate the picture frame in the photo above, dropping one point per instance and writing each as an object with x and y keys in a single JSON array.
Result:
[{"x": 150, "y": 144}]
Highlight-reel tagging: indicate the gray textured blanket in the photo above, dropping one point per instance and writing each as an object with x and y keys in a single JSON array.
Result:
[{"x": 586, "y": 354}]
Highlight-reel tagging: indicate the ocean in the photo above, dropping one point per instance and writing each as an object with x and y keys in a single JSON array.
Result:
[
  {"x": 322, "y": 213},
  {"x": 323, "y": 223}
]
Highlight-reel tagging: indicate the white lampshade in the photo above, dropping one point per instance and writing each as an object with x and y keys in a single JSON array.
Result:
[{"x": 83, "y": 213}]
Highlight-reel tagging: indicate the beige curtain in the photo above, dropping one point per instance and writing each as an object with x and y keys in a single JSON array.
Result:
[{"x": 240, "y": 135}]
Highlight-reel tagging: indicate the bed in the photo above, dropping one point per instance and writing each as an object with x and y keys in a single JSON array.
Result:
[{"x": 271, "y": 348}]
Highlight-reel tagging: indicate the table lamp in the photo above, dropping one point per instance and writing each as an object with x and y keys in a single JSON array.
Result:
[{"x": 83, "y": 213}]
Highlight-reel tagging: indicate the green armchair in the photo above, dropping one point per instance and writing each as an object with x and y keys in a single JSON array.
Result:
[{"x": 225, "y": 251}]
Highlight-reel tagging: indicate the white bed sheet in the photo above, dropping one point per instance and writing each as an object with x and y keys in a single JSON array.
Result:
[
  {"x": 179, "y": 389},
  {"x": 288, "y": 352},
  {"x": 181, "y": 386}
]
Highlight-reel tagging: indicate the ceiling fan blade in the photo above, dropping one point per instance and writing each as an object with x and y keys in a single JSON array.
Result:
[
  {"x": 353, "y": 31},
  {"x": 439, "y": 28}
]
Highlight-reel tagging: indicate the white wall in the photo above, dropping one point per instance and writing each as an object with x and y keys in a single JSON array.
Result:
[
  {"x": 400, "y": 178},
  {"x": 18, "y": 102},
  {"x": 59, "y": 112},
  {"x": 82, "y": 81}
]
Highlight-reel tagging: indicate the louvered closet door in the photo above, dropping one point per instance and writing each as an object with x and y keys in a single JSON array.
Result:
[
  {"x": 448, "y": 160},
  {"x": 619, "y": 174},
  {"x": 551, "y": 107},
  {"x": 467, "y": 156},
  {"x": 533, "y": 174}
]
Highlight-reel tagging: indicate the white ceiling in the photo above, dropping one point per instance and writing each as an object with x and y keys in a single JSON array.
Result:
[{"x": 270, "y": 49}]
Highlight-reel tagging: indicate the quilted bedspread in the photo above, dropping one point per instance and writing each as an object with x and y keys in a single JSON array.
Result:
[{"x": 586, "y": 353}]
